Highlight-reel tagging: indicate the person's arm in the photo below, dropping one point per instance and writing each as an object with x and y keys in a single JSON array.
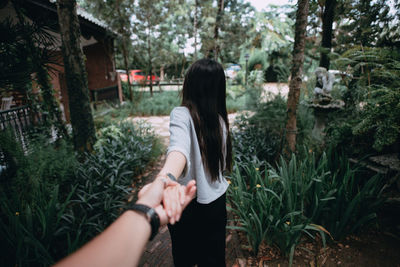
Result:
[
  {"x": 123, "y": 242},
  {"x": 177, "y": 160},
  {"x": 174, "y": 164}
]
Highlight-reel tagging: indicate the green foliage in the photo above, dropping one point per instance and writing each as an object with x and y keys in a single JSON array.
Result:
[
  {"x": 257, "y": 61},
  {"x": 35, "y": 233},
  {"x": 235, "y": 104},
  {"x": 51, "y": 204},
  {"x": 260, "y": 136},
  {"x": 381, "y": 117},
  {"x": 357, "y": 196},
  {"x": 45, "y": 166},
  {"x": 103, "y": 181},
  {"x": 126, "y": 143},
  {"x": 34, "y": 192},
  {"x": 161, "y": 103},
  {"x": 278, "y": 205},
  {"x": 372, "y": 101},
  {"x": 271, "y": 38},
  {"x": 254, "y": 89}
]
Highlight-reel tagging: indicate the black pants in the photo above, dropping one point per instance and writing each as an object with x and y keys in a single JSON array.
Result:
[{"x": 199, "y": 236}]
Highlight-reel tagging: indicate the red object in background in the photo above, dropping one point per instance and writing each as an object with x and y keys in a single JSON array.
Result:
[{"x": 138, "y": 76}]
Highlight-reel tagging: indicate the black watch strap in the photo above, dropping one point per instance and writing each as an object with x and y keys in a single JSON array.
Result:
[
  {"x": 172, "y": 177},
  {"x": 151, "y": 215}
]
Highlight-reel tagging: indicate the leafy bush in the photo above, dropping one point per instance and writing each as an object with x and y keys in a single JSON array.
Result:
[
  {"x": 34, "y": 193},
  {"x": 280, "y": 204},
  {"x": 40, "y": 164},
  {"x": 257, "y": 61},
  {"x": 372, "y": 101},
  {"x": 270, "y": 206},
  {"x": 259, "y": 136},
  {"x": 68, "y": 202},
  {"x": 254, "y": 89},
  {"x": 34, "y": 233},
  {"x": 104, "y": 180}
]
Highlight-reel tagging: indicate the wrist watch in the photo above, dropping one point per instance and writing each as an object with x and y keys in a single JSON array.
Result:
[
  {"x": 172, "y": 177},
  {"x": 151, "y": 216}
]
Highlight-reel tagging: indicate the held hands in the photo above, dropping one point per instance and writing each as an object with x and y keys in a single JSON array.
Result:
[{"x": 174, "y": 196}]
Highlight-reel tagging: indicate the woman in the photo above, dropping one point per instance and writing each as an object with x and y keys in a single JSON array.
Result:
[{"x": 200, "y": 149}]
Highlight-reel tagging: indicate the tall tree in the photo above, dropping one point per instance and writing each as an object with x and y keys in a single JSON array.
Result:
[
  {"x": 296, "y": 73},
  {"x": 327, "y": 22},
  {"x": 149, "y": 15},
  {"x": 76, "y": 76},
  {"x": 361, "y": 22},
  {"x": 232, "y": 25},
  {"x": 124, "y": 30},
  {"x": 217, "y": 26},
  {"x": 195, "y": 27}
]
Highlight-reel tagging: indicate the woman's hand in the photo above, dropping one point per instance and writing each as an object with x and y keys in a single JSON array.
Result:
[
  {"x": 176, "y": 198},
  {"x": 152, "y": 194}
]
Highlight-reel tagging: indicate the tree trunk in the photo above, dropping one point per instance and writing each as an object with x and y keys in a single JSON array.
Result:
[
  {"x": 124, "y": 50},
  {"x": 125, "y": 55},
  {"x": 296, "y": 73},
  {"x": 216, "y": 29},
  {"x": 53, "y": 108},
  {"x": 196, "y": 2},
  {"x": 76, "y": 77},
  {"x": 327, "y": 21},
  {"x": 150, "y": 73}
]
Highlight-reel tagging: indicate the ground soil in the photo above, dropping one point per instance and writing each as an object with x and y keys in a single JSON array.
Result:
[
  {"x": 378, "y": 245},
  {"x": 371, "y": 248}
]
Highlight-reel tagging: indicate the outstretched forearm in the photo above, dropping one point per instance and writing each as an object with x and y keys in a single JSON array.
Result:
[
  {"x": 121, "y": 244},
  {"x": 174, "y": 164}
]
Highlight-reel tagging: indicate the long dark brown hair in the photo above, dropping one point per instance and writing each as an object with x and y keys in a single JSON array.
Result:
[{"x": 204, "y": 93}]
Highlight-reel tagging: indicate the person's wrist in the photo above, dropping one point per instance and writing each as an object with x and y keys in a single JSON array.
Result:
[
  {"x": 149, "y": 213},
  {"x": 146, "y": 202},
  {"x": 168, "y": 176}
]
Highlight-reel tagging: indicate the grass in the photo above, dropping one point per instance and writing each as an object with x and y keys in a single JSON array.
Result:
[{"x": 161, "y": 104}]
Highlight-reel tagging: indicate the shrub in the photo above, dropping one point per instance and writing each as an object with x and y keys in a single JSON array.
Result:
[
  {"x": 34, "y": 194},
  {"x": 278, "y": 205},
  {"x": 372, "y": 111},
  {"x": 40, "y": 164},
  {"x": 259, "y": 136},
  {"x": 34, "y": 233},
  {"x": 270, "y": 206},
  {"x": 254, "y": 89},
  {"x": 68, "y": 202},
  {"x": 257, "y": 61}
]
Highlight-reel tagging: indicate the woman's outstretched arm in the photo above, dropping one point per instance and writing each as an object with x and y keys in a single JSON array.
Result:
[{"x": 174, "y": 164}]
